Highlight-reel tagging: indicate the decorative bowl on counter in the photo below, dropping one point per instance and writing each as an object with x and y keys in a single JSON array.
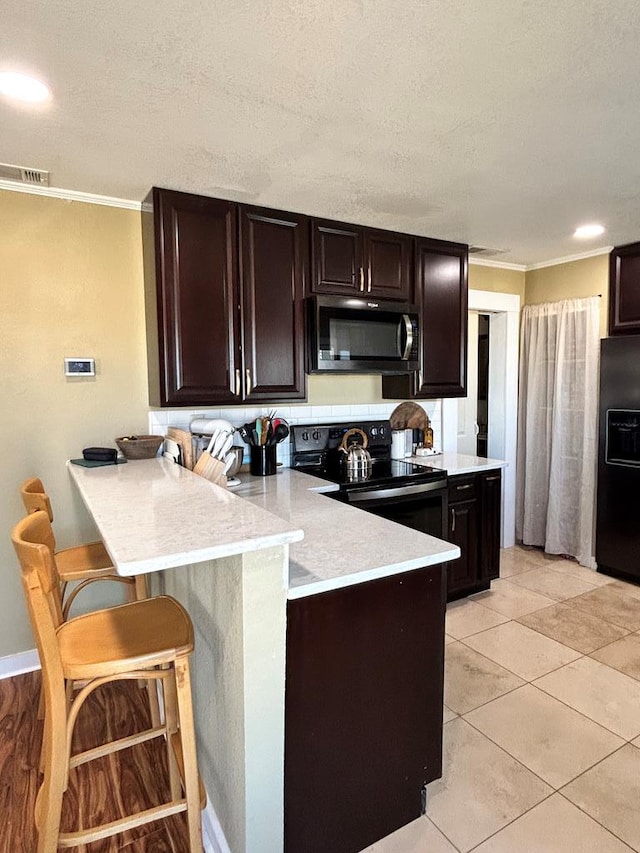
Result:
[{"x": 139, "y": 446}]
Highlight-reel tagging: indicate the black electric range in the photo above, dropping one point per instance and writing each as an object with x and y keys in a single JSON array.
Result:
[
  {"x": 315, "y": 450},
  {"x": 413, "y": 495}
]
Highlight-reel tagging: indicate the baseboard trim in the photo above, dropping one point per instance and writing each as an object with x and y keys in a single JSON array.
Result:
[
  {"x": 213, "y": 837},
  {"x": 18, "y": 664}
]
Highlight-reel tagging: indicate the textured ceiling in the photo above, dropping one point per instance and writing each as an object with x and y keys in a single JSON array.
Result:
[{"x": 499, "y": 123}]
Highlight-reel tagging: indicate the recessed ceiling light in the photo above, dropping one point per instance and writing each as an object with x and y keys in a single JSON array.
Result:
[
  {"x": 23, "y": 88},
  {"x": 584, "y": 232}
]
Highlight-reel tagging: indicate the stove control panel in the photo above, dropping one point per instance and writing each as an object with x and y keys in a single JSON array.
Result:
[{"x": 308, "y": 438}]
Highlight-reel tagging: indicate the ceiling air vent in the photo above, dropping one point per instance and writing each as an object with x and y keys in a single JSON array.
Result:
[
  {"x": 23, "y": 175},
  {"x": 486, "y": 253}
]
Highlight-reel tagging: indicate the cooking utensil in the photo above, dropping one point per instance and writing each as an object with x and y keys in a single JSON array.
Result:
[{"x": 279, "y": 433}]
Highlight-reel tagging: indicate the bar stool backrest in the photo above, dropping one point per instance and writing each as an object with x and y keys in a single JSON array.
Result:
[
  {"x": 34, "y": 497},
  {"x": 33, "y": 541}
]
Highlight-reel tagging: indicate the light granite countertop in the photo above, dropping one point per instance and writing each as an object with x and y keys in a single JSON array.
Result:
[
  {"x": 458, "y": 463},
  {"x": 153, "y": 515},
  {"x": 342, "y": 545}
]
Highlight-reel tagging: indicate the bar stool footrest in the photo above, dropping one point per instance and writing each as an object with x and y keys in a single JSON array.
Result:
[{"x": 105, "y": 830}]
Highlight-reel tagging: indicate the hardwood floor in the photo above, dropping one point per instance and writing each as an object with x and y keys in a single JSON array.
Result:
[{"x": 103, "y": 790}]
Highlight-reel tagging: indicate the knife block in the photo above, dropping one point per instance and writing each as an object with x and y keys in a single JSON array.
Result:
[{"x": 211, "y": 469}]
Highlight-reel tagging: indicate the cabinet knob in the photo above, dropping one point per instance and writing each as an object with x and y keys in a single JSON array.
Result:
[
  {"x": 453, "y": 520},
  {"x": 362, "y": 279},
  {"x": 369, "y": 281},
  {"x": 249, "y": 384},
  {"x": 237, "y": 381}
]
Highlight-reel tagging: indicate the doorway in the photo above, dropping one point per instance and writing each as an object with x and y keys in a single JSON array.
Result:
[
  {"x": 502, "y": 395},
  {"x": 473, "y": 410}
]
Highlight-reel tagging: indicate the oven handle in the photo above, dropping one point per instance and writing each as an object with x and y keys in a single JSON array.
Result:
[{"x": 397, "y": 492}]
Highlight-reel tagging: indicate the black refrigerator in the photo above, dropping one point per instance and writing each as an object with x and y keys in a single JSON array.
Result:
[{"x": 618, "y": 500}]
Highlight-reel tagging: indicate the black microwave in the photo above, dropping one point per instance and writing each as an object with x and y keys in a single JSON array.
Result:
[{"x": 361, "y": 335}]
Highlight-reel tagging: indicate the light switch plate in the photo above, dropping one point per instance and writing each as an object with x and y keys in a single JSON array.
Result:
[{"x": 79, "y": 367}]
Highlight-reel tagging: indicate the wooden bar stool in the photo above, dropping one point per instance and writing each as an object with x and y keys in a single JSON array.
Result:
[
  {"x": 85, "y": 564},
  {"x": 150, "y": 639}
]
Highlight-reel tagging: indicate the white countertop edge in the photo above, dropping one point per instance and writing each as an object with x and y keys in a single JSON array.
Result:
[
  {"x": 341, "y": 581},
  {"x": 189, "y": 558},
  {"x": 458, "y": 463}
]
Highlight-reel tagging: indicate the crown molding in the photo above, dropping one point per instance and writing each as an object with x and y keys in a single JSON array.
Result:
[
  {"x": 71, "y": 195},
  {"x": 569, "y": 258},
  {"x": 501, "y": 265}
]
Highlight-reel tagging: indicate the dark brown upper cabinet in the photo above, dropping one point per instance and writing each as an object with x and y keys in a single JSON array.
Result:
[
  {"x": 624, "y": 290},
  {"x": 274, "y": 267},
  {"x": 225, "y": 322},
  {"x": 441, "y": 294},
  {"x": 353, "y": 260}
]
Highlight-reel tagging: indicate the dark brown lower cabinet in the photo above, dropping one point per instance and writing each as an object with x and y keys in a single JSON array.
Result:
[
  {"x": 363, "y": 710},
  {"x": 490, "y": 514},
  {"x": 475, "y": 502},
  {"x": 462, "y": 574}
]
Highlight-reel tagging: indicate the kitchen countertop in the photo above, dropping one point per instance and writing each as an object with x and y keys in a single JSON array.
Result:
[
  {"x": 153, "y": 515},
  {"x": 458, "y": 463},
  {"x": 342, "y": 545}
]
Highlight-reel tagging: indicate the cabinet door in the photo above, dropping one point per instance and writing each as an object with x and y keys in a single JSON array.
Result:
[
  {"x": 441, "y": 290},
  {"x": 388, "y": 264},
  {"x": 337, "y": 258},
  {"x": 624, "y": 290},
  {"x": 491, "y": 505},
  {"x": 441, "y": 295},
  {"x": 462, "y": 574},
  {"x": 274, "y": 269},
  {"x": 197, "y": 289},
  {"x": 363, "y": 710}
]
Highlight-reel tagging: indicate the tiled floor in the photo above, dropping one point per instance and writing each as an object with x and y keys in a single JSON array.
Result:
[{"x": 542, "y": 717}]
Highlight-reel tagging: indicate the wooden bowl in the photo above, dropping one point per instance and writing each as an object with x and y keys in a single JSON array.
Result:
[{"x": 139, "y": 446}]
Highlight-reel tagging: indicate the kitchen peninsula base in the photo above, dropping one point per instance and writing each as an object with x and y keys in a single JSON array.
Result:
[
  {"x": 365, "y": 642},
  {"x": 363, "y": 730}
]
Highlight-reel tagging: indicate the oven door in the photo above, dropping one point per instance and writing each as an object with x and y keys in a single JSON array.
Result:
[{"x": 421, "y": 506}]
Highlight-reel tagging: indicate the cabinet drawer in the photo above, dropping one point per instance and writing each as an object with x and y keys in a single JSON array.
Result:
[{"x": 462, "y": 488}]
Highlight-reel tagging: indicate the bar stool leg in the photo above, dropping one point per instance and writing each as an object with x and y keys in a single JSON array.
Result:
[
  {"x": 171, "y": 720},
  {"x": 188, "y": 739},
  {"x": 49, "y": 801}
]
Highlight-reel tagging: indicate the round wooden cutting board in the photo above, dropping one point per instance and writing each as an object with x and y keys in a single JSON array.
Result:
[{"x": 409, "y": 416}]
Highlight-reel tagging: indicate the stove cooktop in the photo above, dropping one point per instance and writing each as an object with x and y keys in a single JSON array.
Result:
[
  {"x": 383, "y": 473},
  {"x": 315, "y": 451}
]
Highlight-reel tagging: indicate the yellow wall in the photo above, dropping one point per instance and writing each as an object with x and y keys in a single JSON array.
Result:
[
  {"x": 70, "y": 285},
  {"x": 497, "y": 280},
  {"x": 574, "y": 280}
]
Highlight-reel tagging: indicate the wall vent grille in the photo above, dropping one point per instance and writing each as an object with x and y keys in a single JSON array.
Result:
[
  {"x": 485, "y": 252},
  {"x": 24, "y": 175}
]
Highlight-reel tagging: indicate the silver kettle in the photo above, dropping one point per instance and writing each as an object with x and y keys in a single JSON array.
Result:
[{"x": 357, "y": 457}]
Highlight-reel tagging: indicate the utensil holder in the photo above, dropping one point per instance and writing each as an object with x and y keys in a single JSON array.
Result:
[{"x": 262, "y": 462}]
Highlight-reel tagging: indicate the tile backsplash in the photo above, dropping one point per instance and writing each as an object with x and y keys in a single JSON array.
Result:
[{"x": 160, "y": 419}]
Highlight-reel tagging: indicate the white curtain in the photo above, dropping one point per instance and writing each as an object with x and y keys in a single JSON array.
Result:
[{"x": 557, "y": 427}]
